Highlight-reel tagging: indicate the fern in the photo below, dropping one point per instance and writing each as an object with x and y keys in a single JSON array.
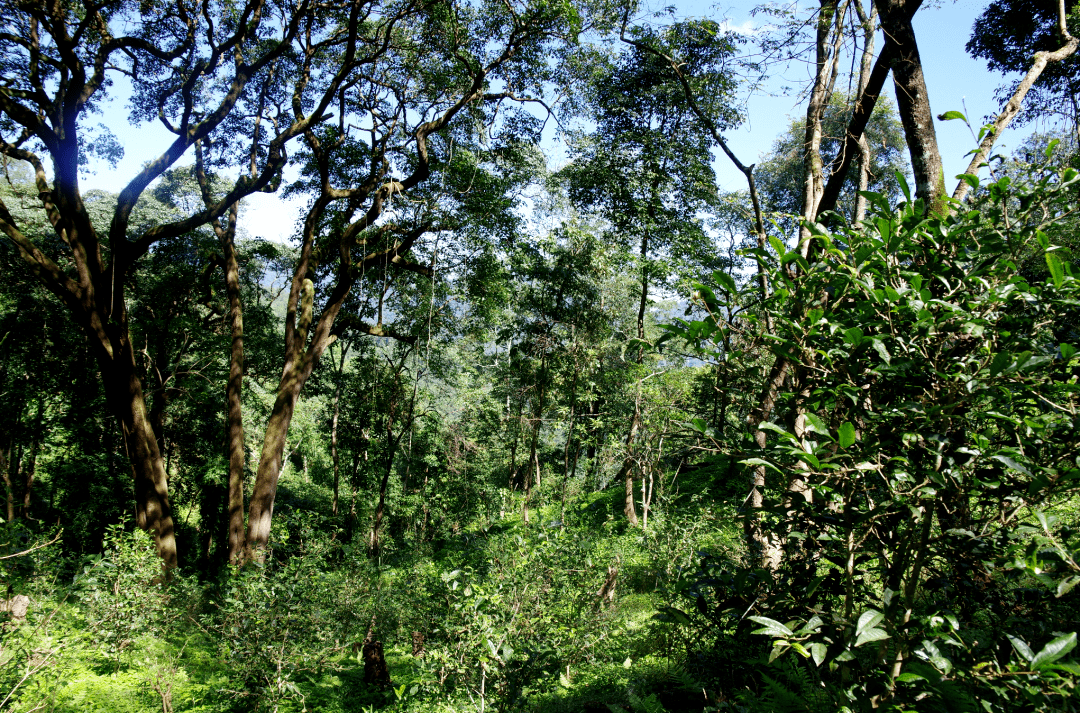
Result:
[
  {"x": 676, "y": 677},
  {"x": 651, "y": 704},
  {"x": 781, "y": 699}
]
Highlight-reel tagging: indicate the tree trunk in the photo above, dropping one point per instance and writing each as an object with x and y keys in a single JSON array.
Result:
[
  {"x": 763, "y": 550},
  {"x": 392, "y": 443},
  {"x": 869, "y": 28},
  {"x": 626, "y": 473},
  {"x": 234, "y": 424},
  {"x": 533, "y": 459},
  {"x": 829, "y": 27},
  {"x": 864, "y": 107},
  {"x": 334, "y": 455},
  {"x": 7, "y": 466},
  {"x": 1012, "y": 107},
  {"x": 913, "y": 102},
  {"x": 261, "y": 508},
  {"x": 569, "y": 434},
  {"x": 124, "y": 394}
]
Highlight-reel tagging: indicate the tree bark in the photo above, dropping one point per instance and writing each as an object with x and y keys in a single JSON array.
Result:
[
  {"x": 234, "y": 423},
  {"x": 869, "y": 28},
  {"x": 569, "y": 433},
  {"x": 392, "y": 443},
  {"x": 234, "y": 387},
  {"x": 864, "y": 107},
  {"x": 7, "y": 465},
  {"x": 1012, "y": 107},
  {"x": 913, "y": 102},
  {"x": 124, "y": 394},
  {"x": 626, "y": 473},
  {"x": 334, "y": 455},
  {"x": 827, "y": 56}
]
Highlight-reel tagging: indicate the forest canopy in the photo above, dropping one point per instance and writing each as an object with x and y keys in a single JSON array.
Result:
[{"x": 532, "y": 411}]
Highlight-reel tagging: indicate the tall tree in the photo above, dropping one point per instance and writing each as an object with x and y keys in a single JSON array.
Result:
[
  {"x": 408, "y": 81},
  {"x": 647, "y": 167},
  {"x": 190, "y": 65}
]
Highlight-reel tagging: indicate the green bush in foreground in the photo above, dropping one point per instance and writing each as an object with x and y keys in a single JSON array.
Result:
[{"x": 920, "y": 535}]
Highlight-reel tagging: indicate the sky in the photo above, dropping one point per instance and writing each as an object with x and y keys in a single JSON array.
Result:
[{"x": 942, "y": 27}]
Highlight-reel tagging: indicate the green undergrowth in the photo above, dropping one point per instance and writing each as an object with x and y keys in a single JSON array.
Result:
[{"x": 557, "y": 615}]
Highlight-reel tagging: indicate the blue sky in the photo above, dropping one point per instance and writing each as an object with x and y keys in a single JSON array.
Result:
[{"x": 942, "y": 29}]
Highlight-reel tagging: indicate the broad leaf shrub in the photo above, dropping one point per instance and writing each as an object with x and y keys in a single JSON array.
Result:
[{"x": 922, "y": 459}]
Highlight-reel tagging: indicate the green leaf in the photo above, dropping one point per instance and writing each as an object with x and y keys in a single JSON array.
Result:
[
  {"x": 871, "y": 635},
  {"x": 909, "y": 677},
  {"x": 969, "y": 179},
  {"x": 853, "y": 336},
  {"x": 902, "y": 181},
  {"x": 846, "y": 435},
  {"x": 1066, "y": 585},
  {"x": 777, "y": 245},
  {"x": 941, "y": 664},
  {"x": 1013, "y": 465},
  {"x": 779, "y": 647},
  {"x": 1000, "y": 362},
  {"x": 879, "y": 347},
  {"x": 1021, "y": 648},
  {"x": 770, "y": 426},
  {"x": 800, "y": 649},
  {"x": 1054, "y": 650},
  {"x": 815, "y": 424},
  {"x": 675, "y": 615},
  {"x": 759, "y": 461},
  {"x": 867, "y": 620},
  {"x": 817, "y": 651},
  {"x": 1067, "y": 351},
  {"x": 1049, "y": 150},
  {"x": 950, "y": 115},
  {"x": 1057, "y": 272},
  {"x": 725, "y": 281},
  {"x": 771, "y": 627}
]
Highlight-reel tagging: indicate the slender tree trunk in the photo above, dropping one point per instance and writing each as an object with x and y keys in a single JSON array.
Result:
[
  {"x": 533, "y": 459},
  {"x": 1012, "y": 107},
  {"x": 830, "y": 32},
  {"x": 864, "y": 108},
  {"x": 392, "y": 443},
  {"x": 869, "y": 28},
  {"x": 763, "y": 550},
  {"x": 626, "y": 473},
  {"x": 234, "y": 389},
  {"x": 7, "y": 466},
  {"x": 516, "y": 425},
  {"x": 334, "y": 455},
  {"x": 376, "y": 528},
  {"x": 569, "y": 433},
  {"x": 913, "y": 103}
]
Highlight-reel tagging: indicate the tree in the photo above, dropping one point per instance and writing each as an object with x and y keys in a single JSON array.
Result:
[
  {"x": 646, "y": 169},
  {"x": 190, "y": 68},
  {"x": 1008, "y": 34},
  {"x": 1043, "y": 59},
  {"x": 410, "y": 82},
  {"x": 780, "y": 173}
]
